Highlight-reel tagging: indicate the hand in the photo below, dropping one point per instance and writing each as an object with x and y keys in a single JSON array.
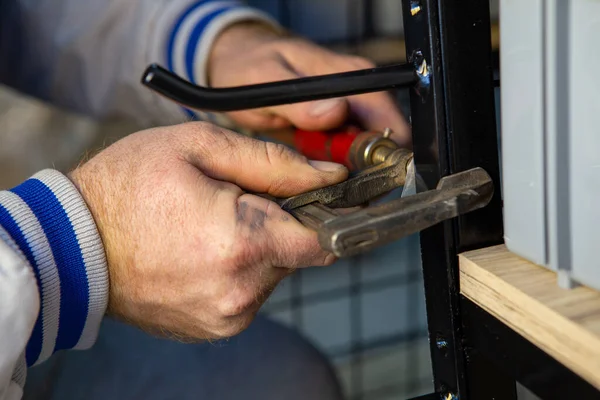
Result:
[
  {"x": 189, "y": 253},
  {"x": 251, "y": 53}
]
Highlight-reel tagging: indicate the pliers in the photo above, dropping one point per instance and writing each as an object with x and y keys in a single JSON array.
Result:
[{"x": 358, "y": 232}]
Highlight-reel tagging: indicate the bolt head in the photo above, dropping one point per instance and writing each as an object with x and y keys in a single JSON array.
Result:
[{"x": 415, "y": 7}]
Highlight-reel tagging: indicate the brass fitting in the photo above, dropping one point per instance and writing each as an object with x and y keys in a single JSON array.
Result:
[{"x": 370, "y": 148}]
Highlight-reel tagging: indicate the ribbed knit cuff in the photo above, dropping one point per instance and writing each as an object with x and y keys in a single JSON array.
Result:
[
  {"x": 190, "y": 43},
  {"x": 50, "y": 222}
]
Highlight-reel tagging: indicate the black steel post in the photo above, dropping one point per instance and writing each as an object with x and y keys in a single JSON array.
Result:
[{"x": 453, "y": 120}]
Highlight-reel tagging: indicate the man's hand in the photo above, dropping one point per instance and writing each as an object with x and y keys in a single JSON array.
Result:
[
  {"x": 189, "y": 252},
  {"x": 250, "y": 53}
]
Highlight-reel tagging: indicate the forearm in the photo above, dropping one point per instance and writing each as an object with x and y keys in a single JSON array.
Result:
[
  {"x": 49, "y": 225},
  {"x": 89, "y": 56}
]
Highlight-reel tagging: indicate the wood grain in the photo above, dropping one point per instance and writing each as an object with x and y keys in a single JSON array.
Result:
[{"x": 564, "y": 323}]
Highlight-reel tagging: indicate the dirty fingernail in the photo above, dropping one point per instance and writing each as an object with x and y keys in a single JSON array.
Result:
[
  {"x": 322, "y": 107},
  {"x": 326, "y": 166}
]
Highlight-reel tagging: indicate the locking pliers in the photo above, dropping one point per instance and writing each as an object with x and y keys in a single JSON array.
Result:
[{"x": 366, "y": 229}]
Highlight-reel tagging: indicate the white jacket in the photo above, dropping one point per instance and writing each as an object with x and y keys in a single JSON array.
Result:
[{"x": 86, "y": 55}]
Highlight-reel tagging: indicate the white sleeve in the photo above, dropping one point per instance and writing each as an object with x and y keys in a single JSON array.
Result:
[
  {"x": 89, "y": 55},
  {"x": 20, "y": 307},
  {"x": 53, "y": 276}
]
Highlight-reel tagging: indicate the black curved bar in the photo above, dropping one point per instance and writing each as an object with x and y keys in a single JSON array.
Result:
[{"x": 193, "y": 96}]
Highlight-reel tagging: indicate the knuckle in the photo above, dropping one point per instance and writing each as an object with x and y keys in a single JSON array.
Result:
[
  {"x": 277, "y": 153},
  {"x": 205, "y": 137},
  {"x": 233, "y": 327},
  {"x": 235, "y": 306},
  {"x": 237, "y": 303},
  {"x": 226, "y": 331},
  {"x": 200, "y": 128},
  {"x": 209, "y": 135},
  {"x": 238, "y": 298},
  {"x": 198, "y": 138},
  {"x": 280, "y": 160}
]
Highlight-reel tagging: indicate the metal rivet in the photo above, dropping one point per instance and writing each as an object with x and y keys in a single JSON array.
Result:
[
  {"x": 441, "y": 343},
  {"x": 415, "y": 7},
  {"x": 450, "y": 396},
  {"x": 387, "y": 132}
]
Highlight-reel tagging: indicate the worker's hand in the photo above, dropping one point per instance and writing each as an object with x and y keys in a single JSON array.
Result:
[
  {"x": 248, "y": 54},
  {"x": 189, "y": 252}
]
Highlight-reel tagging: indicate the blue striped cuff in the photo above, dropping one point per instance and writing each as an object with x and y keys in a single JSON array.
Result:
[
  {"x": 50, "y": 222},
  {"x": 194, "y": 32}
]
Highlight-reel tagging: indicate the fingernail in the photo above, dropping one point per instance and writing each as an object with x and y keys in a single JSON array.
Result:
[
  {"x": 330, "y": 259},
  {"x": 326, "y": 166},
  {"x": 322, "y": 107}
]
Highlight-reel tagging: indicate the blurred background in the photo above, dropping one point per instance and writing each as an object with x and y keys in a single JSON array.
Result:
[{"x": 366, "y": 313}]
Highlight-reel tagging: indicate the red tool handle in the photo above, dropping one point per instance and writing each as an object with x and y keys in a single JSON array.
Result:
[{"x": 327, "y": 146}]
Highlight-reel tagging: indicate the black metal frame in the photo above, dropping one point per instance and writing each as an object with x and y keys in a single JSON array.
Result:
[
  {"x": 474, "y": 355},
  {"x": 453, "y": 130}
]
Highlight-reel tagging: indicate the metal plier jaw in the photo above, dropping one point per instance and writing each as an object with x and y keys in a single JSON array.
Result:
[{"x": 361, "y": 231}]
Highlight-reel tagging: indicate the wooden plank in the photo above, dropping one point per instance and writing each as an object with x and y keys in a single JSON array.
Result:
[{"x": 564, "y": 323}]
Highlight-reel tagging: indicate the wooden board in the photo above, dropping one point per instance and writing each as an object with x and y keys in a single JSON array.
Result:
[{"x": 564, "y": 323}]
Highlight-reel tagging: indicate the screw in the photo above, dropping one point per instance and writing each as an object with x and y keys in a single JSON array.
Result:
[
  {"x": 387, "y": 132},
  {"x": 449, "y": 396},
  {"x": 441, "y": 343},
  {"x": 415, "y": 7}
]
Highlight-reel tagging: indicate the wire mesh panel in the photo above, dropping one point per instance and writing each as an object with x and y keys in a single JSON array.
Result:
[{"x": 366, "y": 313}]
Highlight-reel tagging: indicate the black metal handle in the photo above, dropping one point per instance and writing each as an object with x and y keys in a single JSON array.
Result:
[{"x": 193, "y": 96}]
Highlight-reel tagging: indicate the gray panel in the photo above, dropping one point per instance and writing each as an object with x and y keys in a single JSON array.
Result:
[
  {"x": 522, "y": 127},
  {"x": 552, "y": 122},
  {"x": 585, "y": 138},
  {"x": 557, "y": 135}
]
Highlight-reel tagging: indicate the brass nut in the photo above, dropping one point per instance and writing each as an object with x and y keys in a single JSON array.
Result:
[{"x": 370, "y": 148}]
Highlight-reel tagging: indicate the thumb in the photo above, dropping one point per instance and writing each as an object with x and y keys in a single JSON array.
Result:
[{"x": 255, "y": 165}]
